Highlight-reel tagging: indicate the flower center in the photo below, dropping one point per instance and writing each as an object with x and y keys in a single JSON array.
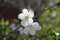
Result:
[
  {"x": 31, "y": 27},
  {"x": 26, "y": 17}
]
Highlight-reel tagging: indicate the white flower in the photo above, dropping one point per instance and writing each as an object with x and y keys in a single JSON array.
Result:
[
  {"x": 26, "y": 16},
  {"x": 57, "y": 34},
  {"x": 31, "y": 28}
]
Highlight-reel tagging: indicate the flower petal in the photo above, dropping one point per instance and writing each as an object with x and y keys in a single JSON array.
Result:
[
  {"x": 36, "y": 26},
  {"x": 32, "y": 32},
  {"x": 25, "y": 11},
  {"x": 24, "y": 23},
  {"x": 35, "y": 23},
  {"x": 26, "y": 30},
  {"x": 31, "y": 14},
  {"x": 21, "y": 16},
  {"x": 30, "y": 20}
]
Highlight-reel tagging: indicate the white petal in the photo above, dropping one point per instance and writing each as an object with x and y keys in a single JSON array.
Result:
[
  {"x": 21, "y": 16},
  {"x": 36, "y": 23},
  {"x": 30, "y": 20},
  {"x": 26, "y": 30},
  {"x": 36, "y": 26},
  {"x": 32, "y": 32},
  {"x": 24, "y": 23},
  {"x": 25, "y": 11},
  {"x": 31, "y": 14}
]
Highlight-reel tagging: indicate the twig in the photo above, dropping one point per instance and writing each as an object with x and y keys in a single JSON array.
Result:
[
  {"x": 36, "y": 17},
  {"x": 57, "y": 4},
  {"x": 12, "y": 31}
]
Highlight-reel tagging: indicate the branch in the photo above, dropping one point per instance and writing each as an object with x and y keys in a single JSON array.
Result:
[
  {"x": 13, "y": 31},
  {"x": 57, "y": 4}
]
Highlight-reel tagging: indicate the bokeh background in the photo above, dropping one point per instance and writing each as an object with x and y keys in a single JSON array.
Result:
[{"x": 47, "y": 13}]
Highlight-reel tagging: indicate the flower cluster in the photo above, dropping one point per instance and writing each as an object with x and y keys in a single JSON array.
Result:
[{"x": 26, "y": 18}]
